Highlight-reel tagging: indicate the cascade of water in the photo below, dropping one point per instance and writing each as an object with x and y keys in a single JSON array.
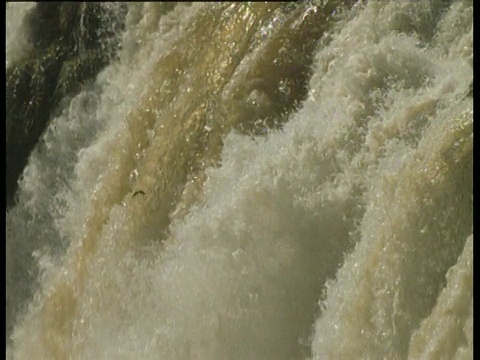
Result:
[{"x": 257, "y": 181}]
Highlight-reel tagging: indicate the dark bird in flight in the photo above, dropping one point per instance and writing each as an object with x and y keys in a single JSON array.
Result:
[{"x": 138, "y": 192}]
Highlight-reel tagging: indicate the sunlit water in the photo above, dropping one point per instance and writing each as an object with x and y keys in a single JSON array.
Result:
[{"x": 168, "y": 214}]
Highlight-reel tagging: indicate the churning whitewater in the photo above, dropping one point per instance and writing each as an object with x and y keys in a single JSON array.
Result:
[{"x": 253, "y": 181}]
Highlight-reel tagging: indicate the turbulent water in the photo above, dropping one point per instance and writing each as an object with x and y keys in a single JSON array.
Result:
[{"x": 254, "y": 181}]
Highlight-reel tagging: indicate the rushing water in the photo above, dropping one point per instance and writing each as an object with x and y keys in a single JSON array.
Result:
[{"x": 254, "y": 181}]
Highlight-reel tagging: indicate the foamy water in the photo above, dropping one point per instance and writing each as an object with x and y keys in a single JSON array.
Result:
[
  {"x": 17, "y": 45},
  {"x": 344, "y": 234}
]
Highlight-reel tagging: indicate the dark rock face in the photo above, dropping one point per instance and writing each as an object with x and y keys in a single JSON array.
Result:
[{"x": 72, "y": 42}]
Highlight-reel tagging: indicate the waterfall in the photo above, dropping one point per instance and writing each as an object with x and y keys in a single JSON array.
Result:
[{"x": 252, "y": 181}]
